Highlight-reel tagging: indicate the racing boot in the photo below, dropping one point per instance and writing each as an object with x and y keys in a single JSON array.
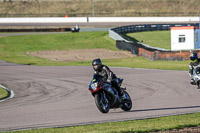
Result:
[
  {"x": 121, "y": 91},
  {"x": 198, "y": 85},
  {"x": 192, "y": 81},
  {"x": 117, "y": 83},
  {"x": 122, "y": 94}
]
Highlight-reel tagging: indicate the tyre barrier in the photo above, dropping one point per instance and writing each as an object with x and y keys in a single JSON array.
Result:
[{"x": 35, "y": 30}]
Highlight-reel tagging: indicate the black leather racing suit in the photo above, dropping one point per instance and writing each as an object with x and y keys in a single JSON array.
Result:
[{"x": 109, "y": 76}]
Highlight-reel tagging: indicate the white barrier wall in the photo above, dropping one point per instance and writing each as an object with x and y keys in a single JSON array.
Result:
[
  {"x": 45, "y": 20},
  {"x": 143, "y": 19},
  {"x": 97, "y": 19}
]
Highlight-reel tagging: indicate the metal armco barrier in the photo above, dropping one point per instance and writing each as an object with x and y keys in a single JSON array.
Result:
[
  {"x": 148, "y": 27},
  {"x": 144, "y": 50}
]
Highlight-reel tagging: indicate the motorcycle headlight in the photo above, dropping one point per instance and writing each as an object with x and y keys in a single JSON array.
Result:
[{"x": 94, "y": 86}]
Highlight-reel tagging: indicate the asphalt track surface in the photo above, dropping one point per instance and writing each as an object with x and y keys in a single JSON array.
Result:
[{"x": 58, "y": 96}]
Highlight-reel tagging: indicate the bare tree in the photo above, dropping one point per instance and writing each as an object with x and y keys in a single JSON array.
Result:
[
  {"x": 38, "y": 2},
  {"x": 92, "y": 8}
]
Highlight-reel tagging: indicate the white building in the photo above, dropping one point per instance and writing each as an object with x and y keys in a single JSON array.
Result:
[{"x": 185, "y": 38}]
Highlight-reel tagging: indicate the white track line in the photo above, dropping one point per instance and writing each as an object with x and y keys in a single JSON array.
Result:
[{"x": 12, "y": 94}]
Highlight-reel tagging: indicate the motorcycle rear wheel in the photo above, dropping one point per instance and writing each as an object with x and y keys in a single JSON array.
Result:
[
  {"x": 127, "y": 105},
  {"x": 102, "y": 103}
]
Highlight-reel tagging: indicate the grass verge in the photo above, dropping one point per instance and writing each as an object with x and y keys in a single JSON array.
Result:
[
  {"x": 159, "y": 39},
  {"x": 3, "y": 93},
  {"x": 14, "y": 48},
  {"x": 136, "y": 126},
  {"x": 135, "y": 62}
]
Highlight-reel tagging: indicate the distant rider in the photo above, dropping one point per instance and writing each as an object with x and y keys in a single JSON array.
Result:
[
  {"x": 107, "y": 74},
  {"x": 194, "y": 62},
  {"x": 77, "y": 28}
]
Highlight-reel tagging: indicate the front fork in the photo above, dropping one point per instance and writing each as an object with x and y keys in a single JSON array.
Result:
[{"x": 104, "y": 98}]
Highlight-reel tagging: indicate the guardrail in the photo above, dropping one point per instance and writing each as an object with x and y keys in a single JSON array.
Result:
[
  {"x": 147, "y": 27},
  {"x": 114, "y": 33},
  {"x": 141, "y": 49}
]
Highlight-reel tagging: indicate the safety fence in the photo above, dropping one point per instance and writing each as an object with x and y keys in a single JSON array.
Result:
[
  {"x": 146, "y": 27},
  {"x": 67, "y": 19},
  {"x": 141, "y": 49}
]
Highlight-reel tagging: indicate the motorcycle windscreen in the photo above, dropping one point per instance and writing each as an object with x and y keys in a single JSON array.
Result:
[
  {"x": 197, "y": 70},
  {"x": 96, "y": 78}
]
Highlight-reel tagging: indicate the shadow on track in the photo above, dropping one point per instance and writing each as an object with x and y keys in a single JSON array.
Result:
[
  {"x": 158, "y": 109},
  {"x": 142, "y": 110}
]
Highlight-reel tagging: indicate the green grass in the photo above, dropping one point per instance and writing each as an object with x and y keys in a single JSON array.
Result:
[
  {"x": 135, "y": 62},
  {"x": 14, "y": 48},
  {"x": 136, "y": 126},
  {"x": 3, "y": 93},
  {"x": 65, "y": 41},
  {"x": 159, "y": 39},
  {"x": 141, "y": 62}
]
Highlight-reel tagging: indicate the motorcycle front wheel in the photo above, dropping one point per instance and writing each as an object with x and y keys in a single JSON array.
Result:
[
  {"x": 102, "y": 103},
  {"x": 127, "y": 105}
]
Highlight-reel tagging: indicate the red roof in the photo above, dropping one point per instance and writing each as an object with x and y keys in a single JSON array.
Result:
[{"x": 183, "y": 28}]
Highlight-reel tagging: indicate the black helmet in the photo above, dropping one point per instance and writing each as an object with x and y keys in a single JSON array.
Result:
[
  {"x": 98, "y": 63},
  {"x": 193, "y": 56}
]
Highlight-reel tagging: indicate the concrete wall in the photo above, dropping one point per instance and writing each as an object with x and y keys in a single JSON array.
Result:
[
  {"x": 45, "y": 20},
  {"x": 97, "y": 19},
  {"x": 152, "y": 53},
  {"x": 144, "y": 19},
  {"x": 163, "y": 55}
]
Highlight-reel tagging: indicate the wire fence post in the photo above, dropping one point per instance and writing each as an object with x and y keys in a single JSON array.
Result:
[
  {"x": 92, "y": 8},
  {"x": 147, "y": 7}
]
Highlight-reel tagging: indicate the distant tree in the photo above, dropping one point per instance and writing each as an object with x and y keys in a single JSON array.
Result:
[{"x": 38, "y": 2}]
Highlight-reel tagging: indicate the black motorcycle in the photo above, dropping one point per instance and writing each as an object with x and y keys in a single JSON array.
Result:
[{"x": 107, "y": 97}]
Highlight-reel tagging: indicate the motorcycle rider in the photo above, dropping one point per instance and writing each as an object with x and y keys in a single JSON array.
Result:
[
  {"x": 107, "y": 75},
  {"x": 194, "y": 62}
]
